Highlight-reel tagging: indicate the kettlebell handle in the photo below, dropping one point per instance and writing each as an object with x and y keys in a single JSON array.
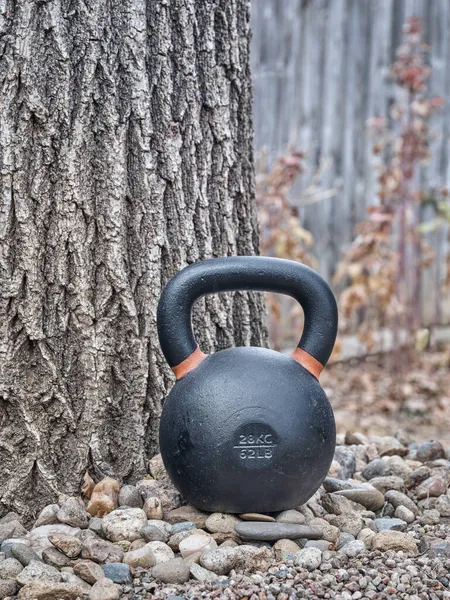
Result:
[{"x": 257, "y": 273}]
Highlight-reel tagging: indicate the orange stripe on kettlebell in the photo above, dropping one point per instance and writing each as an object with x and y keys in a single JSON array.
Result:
[
  {"x": 189, "y": 363},
  {"x": 307, "y": 361}
]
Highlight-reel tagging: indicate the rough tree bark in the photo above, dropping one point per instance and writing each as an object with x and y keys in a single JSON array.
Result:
[{"x": 125, "y": 153}]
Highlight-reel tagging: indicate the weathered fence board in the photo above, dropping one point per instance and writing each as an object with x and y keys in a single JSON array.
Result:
[{"x": 320, "y": 70}]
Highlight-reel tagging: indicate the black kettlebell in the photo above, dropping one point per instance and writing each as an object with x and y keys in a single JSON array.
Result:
[{"x": 247, "y": 429}]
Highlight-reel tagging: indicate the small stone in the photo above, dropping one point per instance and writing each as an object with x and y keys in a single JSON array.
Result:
[
  {"x": 346, "y": 458},
  {"x": 322, "y": 545},
  {"x": 256, "y": 517},
  {"x": 228, "y": 543},
  {"x": 201, "y": 574},
  {"x": 397, "y": 498},
  {"x": 142, "y": 558},
  {"x": 10, "y": 568},
  {"x": 51, "y": 590},
  {"x": 334, "y": 469},
  {"x": 353, "y": 549},
  {"x": 7, "y": 530},
  {"x": 152, "y": 533},
  {"x": 401, "y": 512},
  {"x": 388, "y": 482},
  {"x": 366, "y": 535},
  {"x": 186, "y": 526},
  {"x": 398, "y": 467},
  {"x": 153, "y": 508},
  {"x": 67, "y": 544},
  {"x": 8, "y": 587},
  {"x": 88, "y": 570},
  {"x": 417, "y": 476},
  {"x": 48, "y": 515},
  {"x": 376, "y": 468},
  {"x": 253, "y": 558},
  {"x": 161, "y": 551},
  {"x": 118, "y": 572},
  {"x": 104, "y": 589},
  {"x": 291, "y": 516},
  {"x": 187, "y": 513},
  {"x": 327, "y": 532},
  {"x": 96, "y": 525},
  {"x": 429, "y": 451},
  {"x": 74, "y": 579},
  {"x": 157, "y": 468},
  {"x": 6, "y": 546},
  {"x": 308, "y": 558},
  {"x": 130, "y": 496},
  {"x": 124, "y": 544},
  {"x": 175, "y": 571},
  {"x": 73, "y": 513},
  {"x": 101, "y": 551},
  {"x": 353, "y": 439},
  {"x": 430, "y": 517},
  {"x": 332, "y": 484},
  {"x": 350, "y": 522},
  {"x": 443, "y": 505},
  {"x": 345, "y": 538},
  {"x": 439, "y": 549},
  {"x": 336, "y": 504},
  {"x": 37, "y": 570},
  {"x": 394, "y": 540},
  {"x": 220, "y": 522},
  {"x": 169, "y": 496},
  {"x": 383, "y": 524},
  {"x": 431, "y": 487},
  {"x": 196, "y": 543},
  {"x": 284, "y": 547},
  {"x": 220, "y": 561},
  {"x": 24, "y": 553},
  {"x": 252, "y": 530},
  {"x": 140, "y": 543},
  {"x": 55, "y": 558},
  {"x": 124, "y": 524}
]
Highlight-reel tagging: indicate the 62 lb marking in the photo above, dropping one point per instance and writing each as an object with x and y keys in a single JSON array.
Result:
[{"x": 256, "y": 445}]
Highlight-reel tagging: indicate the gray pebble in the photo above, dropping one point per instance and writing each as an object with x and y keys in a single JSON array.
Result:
[
  {"x": 383, "y": 524},
  {"x": 118, "y": 572},
  {"x": 24, "y": 554},
  {"x": 184, "y": 526},
  {"x": 253, "y": 530}
]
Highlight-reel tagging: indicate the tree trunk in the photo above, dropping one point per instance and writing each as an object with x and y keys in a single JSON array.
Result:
[{"x": 125, "y": 153}]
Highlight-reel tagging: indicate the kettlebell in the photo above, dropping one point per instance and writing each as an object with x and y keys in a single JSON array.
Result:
[{"x": 247, "y": 429}]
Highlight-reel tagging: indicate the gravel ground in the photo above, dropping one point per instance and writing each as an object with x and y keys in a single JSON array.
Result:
[{"x": 378, "y": 527}]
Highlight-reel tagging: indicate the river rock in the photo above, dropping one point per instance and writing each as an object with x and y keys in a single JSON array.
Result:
[
  {"x": 187, "y": 513},
  {"x": 431, "y": 487},
  {"x": 349, "y": 522},
  {"x": 383, "y": 524},
  {"x": 88, "y": 570},
  {"x": 353, "y": 548},
  {"x": 55, "y": 558},
  {"x": 51, "y": 590},
  {"x": 142, "y": 558},
  {"x": 388, "y": 482},
  {"x": 201, "y": 574},
  {"x": 443, "y": 505},
  {"x": 157, "y": 468},
  {"x": 101, "y": 551},
  {"x": 366, "y": 535},
  {"x": 252, "y": 530},
  {"x": 401, "y": 512},
  {"x": 376, "y": 468},
  {"x": 219, "y": 561},
  {"x": 24, "y": 553},
  {"x": 326, "y": 530},
  {"x": 169, "y": 496},
  {"x": 118, "y": 573},
  {"x": 336, "y": 505},
  {"x": 104, "y": 589},
  {"x": 256, "y": 517},
  {"x": 10, "y": 568},
  {"x": 196, "y": 543},
  {"x": 429, "y": 451},
  {"x": 153, "y": 508},
  {"x": 161, "y": 551},
  {"x": 130, "y": 496},
  {"x": 322, "y": 545},
  {"x": 48, "y": 515},
  {"x": 186, "y": 526},
  {"x": 73, "y": 513},
  {"x": 124, "y": 524},
  {"x": 308, "y": 558},
  {"x": 397, "y": 498},
  {"x": 223, "y": 523},
  {"x": 152, "y": 533},
  {"x": 346, "y": 458},
  {"x": 175, "y": 571},
  {"x": 8, "y": 587},
  {"x": 291, "y": 516},
  {"x": 283, "y": 548},
  {"x": 66, "y": 543},
  {"x": 74, "y": 579},
  {"x": 37, "y": 570},
  {"x": 394, "y": 540}
]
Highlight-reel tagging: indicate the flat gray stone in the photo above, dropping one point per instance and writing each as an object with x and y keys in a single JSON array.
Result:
[
  {"x": 383, "y": 524},
  {"x": 24, "y": 554},
  {"x": 254, "y": 530}
]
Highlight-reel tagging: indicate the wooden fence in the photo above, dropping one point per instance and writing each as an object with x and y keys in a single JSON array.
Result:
[{"x": 320, "y": 70}]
